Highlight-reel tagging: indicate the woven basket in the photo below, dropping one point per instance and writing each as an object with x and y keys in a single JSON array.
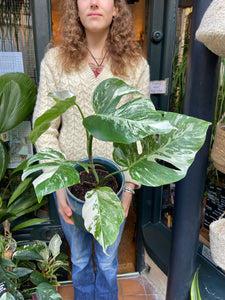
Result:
[
  {"x": 211, "y": 31},
  {"x": 218, "y": 148},
  {"x": 217, "y": 241}
]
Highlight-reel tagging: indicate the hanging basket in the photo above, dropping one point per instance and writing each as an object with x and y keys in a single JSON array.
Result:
[
  {"x": 211, "y": 31},
  {"x": 218, "y": 149},
  {"x": 217, "y": 241}
]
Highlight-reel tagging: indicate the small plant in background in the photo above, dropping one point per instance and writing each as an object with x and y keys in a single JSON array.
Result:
[
  {"x": 178, "y": 84},
  {"x": 195, "y": 292},
  {"x": 17, "y": 199},
  {"x": 33, "y": 270},
  {"x": 17, "y": 99},
  {"x": 220, "y": 99}
]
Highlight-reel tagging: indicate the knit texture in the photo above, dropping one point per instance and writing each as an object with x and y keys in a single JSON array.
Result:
[{"x": 67, "y": 133}]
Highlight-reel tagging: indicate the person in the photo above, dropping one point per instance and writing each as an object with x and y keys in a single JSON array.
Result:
[{"x": 96, "y": 42}]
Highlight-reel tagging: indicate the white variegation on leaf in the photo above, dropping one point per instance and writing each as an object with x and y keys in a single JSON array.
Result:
[
  {"x": 169, "y": 143},
  {"x": 165, "y": 158},
  {"x": 44, "y": 252},
  {"x": 58, "y": 173},
  {"x": 55, "y": 244},
  {"x": 44, "y": 121},
  {"x": 103, "y": 214},
  {"x": 129, "y": 123}
]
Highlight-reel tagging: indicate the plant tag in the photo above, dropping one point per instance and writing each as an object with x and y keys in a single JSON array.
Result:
[
  {"x": 158, "y": 86},
  {"x": 3, "y": 288}
]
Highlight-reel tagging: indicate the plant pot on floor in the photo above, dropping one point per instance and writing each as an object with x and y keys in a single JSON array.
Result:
[{"x": 76, "y": 204}]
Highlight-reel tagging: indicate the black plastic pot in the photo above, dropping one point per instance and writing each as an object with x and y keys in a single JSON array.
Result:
[{"x": 77, "y": 204}]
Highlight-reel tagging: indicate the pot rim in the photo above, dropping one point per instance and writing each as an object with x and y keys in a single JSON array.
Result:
[{"x": 104, "y": 159}]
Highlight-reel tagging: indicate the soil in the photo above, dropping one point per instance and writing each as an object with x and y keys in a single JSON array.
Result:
[{"x": 88, "y": 182}]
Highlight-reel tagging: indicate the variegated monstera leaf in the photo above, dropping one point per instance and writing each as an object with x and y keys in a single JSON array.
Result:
[
  {"x": 164, "y": 158},
  {"x": 168, "y": 143}
]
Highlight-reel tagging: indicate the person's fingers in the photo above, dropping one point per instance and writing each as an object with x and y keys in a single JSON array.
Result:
[{"x": 64, "y": 210}]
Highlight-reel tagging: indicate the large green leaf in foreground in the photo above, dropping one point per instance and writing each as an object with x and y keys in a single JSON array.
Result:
[
  {"x": 41, "y": 124},
  {"x": 164, "y": 158},
  {"x": 103, "y": 214},
  {"x": 4, "y": 159},
  {"x": 17, "y": 99},
  {"x": 129, "y": 123},
  {"x": 58, "y": 172},
  {"x": 109, "y": 93}
]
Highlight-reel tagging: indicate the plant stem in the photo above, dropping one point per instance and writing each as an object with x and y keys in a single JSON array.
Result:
[
  {"x": 111, "y": 174},
  {"x": 89, "y": 148},
  {"x": 82, "y": 116},
  {"x": 90, "y": 157}
]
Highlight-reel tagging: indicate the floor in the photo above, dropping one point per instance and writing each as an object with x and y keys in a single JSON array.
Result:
[
  {"x": 131, "y": 287},
  {"x": 126, "y": 251}
]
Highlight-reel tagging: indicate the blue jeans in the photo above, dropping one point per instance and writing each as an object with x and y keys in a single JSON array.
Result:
[{"x": 92, "y": 283}]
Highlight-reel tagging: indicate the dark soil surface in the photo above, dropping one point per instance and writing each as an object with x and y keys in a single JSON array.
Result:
[{"x": 88, "y": 182}]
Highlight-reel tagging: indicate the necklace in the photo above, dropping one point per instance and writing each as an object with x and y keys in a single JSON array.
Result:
[{"x": 95, "y": 60}]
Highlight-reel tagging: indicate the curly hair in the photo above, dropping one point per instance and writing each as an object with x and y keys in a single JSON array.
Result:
[{"x": 121, "y": 45}]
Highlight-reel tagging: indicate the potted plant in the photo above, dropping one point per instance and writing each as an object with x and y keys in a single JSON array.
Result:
[
  {"x": 33, "y": 270},
  {"x": 48, "y": 259},
  {"x": 17, "y": 99},
  {"x": 168, "y": 144}
]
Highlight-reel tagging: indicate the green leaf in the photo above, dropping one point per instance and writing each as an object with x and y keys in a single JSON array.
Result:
[
  {"x": 6, "y": 276},
  {"x": 17, "y": 99},
  {"x": 6, "y": 263},
  {"x": 23, "y": 186},
  {"x": 164, "y": 158},
  {"x": 4, "y": 215},
  {"x": 24, "y": 205},
  {"x": 28, "y": 223},
  {"x": 37, "y": 278},
  {"x": 58, "y": 173},
  {"x": 20, "y": 272},
  {"x": 108, "y": 94},
  {"x": 55, "y": 244},
  {"x": 45, "y": 253},
  {"x": 4, "y": 159},
  {"x": 103, "y": 214},
  {"x": 47, "y": 291},
  {"x": 129, "y": 123},
  {"x": 18, "y": 169},
  {"x": 7, "y": 296},
  {"x": 195, "y": 292},
  {"x": 42, "y": 123},
  {"x": 26, "y": 255}
]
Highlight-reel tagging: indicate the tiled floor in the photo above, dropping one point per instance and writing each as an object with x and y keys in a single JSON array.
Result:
[{"x": 130, "y": 288}]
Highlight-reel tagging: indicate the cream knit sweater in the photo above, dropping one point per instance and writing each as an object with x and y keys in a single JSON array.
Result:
[{"x": 66, "y": 133}]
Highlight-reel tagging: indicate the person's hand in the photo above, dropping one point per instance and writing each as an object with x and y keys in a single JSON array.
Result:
[
  {"x": 64, "y": 210},
  {"x": 127, "y": 198}
]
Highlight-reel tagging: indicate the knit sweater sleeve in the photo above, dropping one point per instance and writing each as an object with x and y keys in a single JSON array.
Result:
[
  {"x": 143, "y": 80},
  {"x": 48, "y": 83}
]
